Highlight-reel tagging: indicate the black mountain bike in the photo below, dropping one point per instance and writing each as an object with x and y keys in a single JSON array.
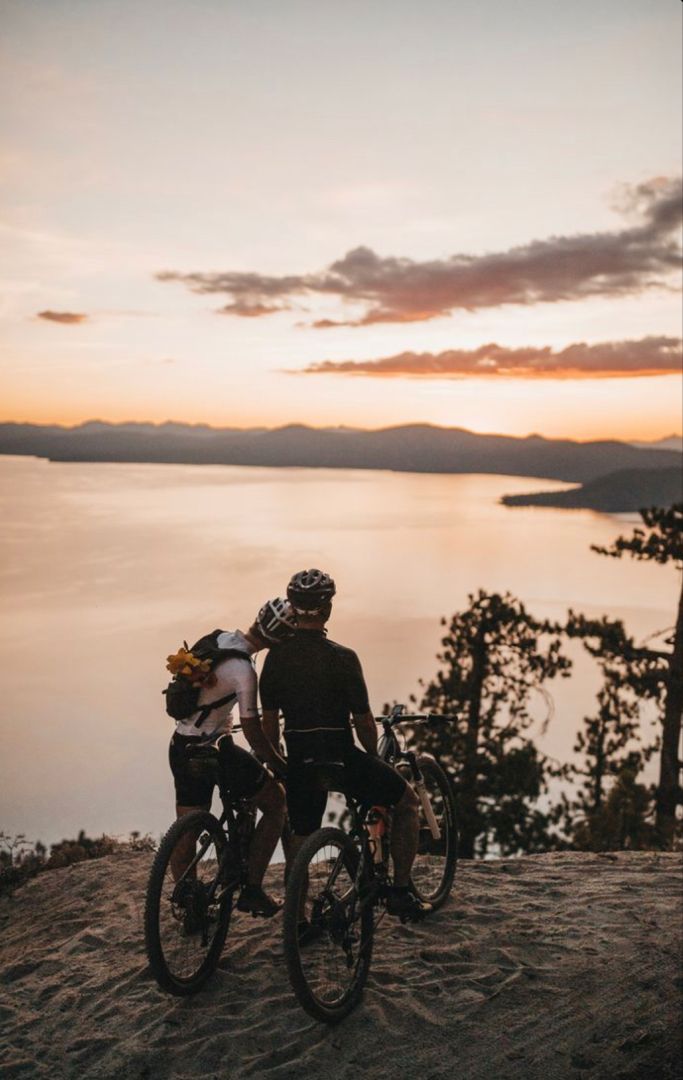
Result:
[
  {"x": 339, "y": 880},
  {"x": 200, "y": 864}
]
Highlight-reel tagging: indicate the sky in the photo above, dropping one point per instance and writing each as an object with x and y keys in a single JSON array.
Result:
[{"x": 280, "y": 211}]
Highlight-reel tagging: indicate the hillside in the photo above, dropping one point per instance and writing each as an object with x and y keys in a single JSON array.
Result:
[
  {"x": 624, "y": 491},
  {"x": 410, "y": 448},
  {"x": 540, "y": 968}
]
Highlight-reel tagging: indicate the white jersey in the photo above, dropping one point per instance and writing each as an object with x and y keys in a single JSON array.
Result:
[{"x": 233, "y": 676}]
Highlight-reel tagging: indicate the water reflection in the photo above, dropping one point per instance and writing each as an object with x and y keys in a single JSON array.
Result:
[{"x": 104, "y": 569}]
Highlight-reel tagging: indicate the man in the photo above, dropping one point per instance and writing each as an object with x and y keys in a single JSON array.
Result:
[
  {"x": 318, "y": 686},
  {"x": 235, "y": 679}
]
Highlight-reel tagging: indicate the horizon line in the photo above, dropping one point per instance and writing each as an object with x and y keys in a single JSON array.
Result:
[{"x": 91, "y": 421}]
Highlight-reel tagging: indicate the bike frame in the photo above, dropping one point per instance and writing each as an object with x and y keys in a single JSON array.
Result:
[
  {"x": 237, "y": 823},
  {"x": 389, "y": 750},
  {"x": 367, "y": 866}
]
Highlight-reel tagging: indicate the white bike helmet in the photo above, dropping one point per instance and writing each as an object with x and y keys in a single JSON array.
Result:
[{"x": 276, "y": 620}]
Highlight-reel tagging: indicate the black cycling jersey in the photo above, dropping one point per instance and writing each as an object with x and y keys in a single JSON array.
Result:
[{"x": 317, "y": 685}]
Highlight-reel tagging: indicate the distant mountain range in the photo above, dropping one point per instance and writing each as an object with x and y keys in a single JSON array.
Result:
[
  {"x": 671, "y": 442},
  {"x": 409, "y": 448}
]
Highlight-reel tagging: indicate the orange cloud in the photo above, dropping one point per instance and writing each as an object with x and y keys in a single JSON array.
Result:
[
  {"x": 398, "y": 290},
  {"x": 68, "y": 318},
  {"x": 609, "y": 359}
]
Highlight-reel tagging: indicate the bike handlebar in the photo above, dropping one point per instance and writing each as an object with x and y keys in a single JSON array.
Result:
[{"x": 415, "y": 718}]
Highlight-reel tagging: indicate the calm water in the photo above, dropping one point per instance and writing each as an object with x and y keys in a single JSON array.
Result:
[{"x": 104, "y": 569}]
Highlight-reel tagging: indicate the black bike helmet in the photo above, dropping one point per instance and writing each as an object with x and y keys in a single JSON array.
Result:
[
  {"x": 310, "y": 591},
  {"x": 276, "y": 621}
]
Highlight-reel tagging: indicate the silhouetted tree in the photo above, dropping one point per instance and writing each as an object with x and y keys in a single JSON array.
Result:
[
  {"x": 607, "y": 744},
  {"x": 612, "y": 758},
  {"x": 663, "y": 543},
  {"x": 621, "y": 821},
  {"x": 494, "y": 656}
]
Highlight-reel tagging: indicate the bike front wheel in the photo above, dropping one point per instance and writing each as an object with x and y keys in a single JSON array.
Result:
[
  {"x": 434, "y": 867},
  {"x": 188, "y": 904},
  {"x": 328, "y": 925}
]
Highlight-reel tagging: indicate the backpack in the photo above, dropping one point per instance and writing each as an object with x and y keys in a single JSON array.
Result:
[{"x": 192, "y": 670}]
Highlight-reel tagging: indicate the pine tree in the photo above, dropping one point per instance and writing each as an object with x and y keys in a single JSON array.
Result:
[
  {"x": 612, "y": 759},
  {"x": 662, "y": 544},
  {"x": 494, "y": 656}
]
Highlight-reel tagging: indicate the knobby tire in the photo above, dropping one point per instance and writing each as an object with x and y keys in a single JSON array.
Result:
[
  {"x": 158, "y": 907},
  {"x": 315, "y": 1002}
]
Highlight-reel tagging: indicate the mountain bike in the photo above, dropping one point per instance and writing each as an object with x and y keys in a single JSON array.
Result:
[
  {"x": 339, "y": 881},
  {"x": 200, "y": 864}
]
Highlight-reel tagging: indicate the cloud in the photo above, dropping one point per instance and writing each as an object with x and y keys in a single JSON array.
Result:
[
  {"x": 401, "y": 290},
  {"x": 249, "y": 309},
  {"x": 68, "y": 318},
  {"x": 649, "y": 356},
  {"x": 252, "y": 294}
]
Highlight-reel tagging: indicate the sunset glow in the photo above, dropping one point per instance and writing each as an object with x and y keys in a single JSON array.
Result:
[{"x": 206, "y": 219}]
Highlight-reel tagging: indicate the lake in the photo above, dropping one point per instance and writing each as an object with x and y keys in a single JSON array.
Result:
[{"x": 106, "y": 568}]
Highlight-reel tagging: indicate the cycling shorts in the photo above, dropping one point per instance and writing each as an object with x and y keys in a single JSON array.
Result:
[
  {"x": 245, "y": 776},
  {"x": 364, "y": 776}
]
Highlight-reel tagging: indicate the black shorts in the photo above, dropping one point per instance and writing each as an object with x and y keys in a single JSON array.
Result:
[
  {"x": 244, "y": 775},
  {"x": 363, "y": 776}
]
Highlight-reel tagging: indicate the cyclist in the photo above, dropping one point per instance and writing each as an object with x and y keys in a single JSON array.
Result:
[
  {"x": 318, "y": 686},
  {"x": 247, "y": 776}
]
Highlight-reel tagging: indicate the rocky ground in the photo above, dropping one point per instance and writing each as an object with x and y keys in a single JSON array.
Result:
[{"x": 549, "y": 966}]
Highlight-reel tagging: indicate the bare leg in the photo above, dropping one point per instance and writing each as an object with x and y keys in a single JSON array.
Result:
[
  {"x": 184, "y": 851},
  {"x": 405, "y": 836},
  {"x": 270, "y": 800},
  {"x": 293, "y": 847}
]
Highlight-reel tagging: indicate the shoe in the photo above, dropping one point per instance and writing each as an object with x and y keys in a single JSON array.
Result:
[
  {"x": 407, "y": 906},
  {"x": 307, "y": 933},
  {"x": 254, "y": 899}
]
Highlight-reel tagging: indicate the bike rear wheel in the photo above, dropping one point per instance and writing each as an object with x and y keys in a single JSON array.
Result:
[
  {"x": 330, "y": 969},
  {"x": 188, "y": 906},
  {"x": 434, "y": 867}
]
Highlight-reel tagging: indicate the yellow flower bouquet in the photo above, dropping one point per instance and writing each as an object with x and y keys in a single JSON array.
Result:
[{"x": 184, "y": 663}]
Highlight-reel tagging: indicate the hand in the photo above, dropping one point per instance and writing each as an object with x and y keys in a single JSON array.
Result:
[{"x": 279, "y": 766}]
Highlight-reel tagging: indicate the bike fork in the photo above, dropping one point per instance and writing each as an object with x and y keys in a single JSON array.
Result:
[{"x": 421, "y": 790}]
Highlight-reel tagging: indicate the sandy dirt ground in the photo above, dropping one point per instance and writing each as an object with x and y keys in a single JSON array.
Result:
[{"x": 559, "y": 965}]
